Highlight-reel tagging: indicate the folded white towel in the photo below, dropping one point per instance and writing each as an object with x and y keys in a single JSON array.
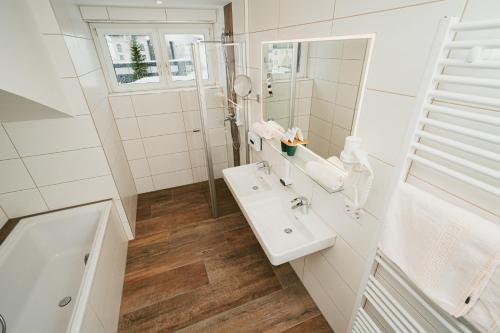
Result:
[
  {"x": 336, "y": 161},
  {"x": 329, "y": 176},
  {"x": 262, "y": 129},
  {"x": 448, "y": 252},
  {"x": 274, "y": 125}
]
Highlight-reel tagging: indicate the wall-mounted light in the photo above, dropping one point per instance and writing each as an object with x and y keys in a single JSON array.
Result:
[{"x": 159, "y": 2}]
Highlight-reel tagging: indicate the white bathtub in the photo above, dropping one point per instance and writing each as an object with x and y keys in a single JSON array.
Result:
[{"x": 42, "y": 261}]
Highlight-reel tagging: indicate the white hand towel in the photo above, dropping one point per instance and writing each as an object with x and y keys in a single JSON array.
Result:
[
  {"x": 328, "y": 176},
  {"x": 262, "y": 129},
  {"x": 274, "y": 125},
  {"x": 448, "y": 252}
]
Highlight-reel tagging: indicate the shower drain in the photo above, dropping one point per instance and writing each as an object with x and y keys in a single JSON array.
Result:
[
  {"x": 255, "y": 187},
  {"x": 288, "y": 230},
  {"x": 65, "y": 301}
]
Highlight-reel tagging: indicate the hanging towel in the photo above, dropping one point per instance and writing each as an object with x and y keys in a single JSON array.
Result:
[
  {"x": 262, "y": 129},
  {"x": 450, "y": 253},
  {"x": 329, "y": 176}
]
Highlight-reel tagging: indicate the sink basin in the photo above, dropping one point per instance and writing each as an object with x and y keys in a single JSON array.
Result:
[
  {"x": 284, "y": 234},
  {"x": 247, "y": 180}
]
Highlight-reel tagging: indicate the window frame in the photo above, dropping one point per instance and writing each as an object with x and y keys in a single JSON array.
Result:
[{"x": 157, "y": 33}]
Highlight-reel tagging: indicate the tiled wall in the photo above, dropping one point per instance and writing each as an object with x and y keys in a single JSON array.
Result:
[
  {"x": 161, "y": 135},
  {"x": 404, "y": 34},
  {"x": 55, "y": 163},
  {"x": 336, "y": 68},
  {"x": 277, "y": 107}
]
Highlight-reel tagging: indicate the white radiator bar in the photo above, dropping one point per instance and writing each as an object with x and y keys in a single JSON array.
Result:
[
  {"x": 458, "y": 160},
  {"x": 365, "y": 318},
  {"x": 459, "y": 145},
  {"x": 476, "y": 64},
  {"x": 481, "y": 100},
  {"x": 476, "y": 25},
  {"x": 467, "y": 44},
  {"x": 455, "y": 174},
  {"x": 462, "y": 130},
  {"x": 491, "y": 120},
  {"x": 465, "y": 80}
]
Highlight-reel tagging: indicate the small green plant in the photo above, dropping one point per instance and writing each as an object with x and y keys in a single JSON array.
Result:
[{"x": 139, "y": 65}]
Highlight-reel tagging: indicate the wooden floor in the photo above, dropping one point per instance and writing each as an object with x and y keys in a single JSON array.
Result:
[{"x": 188, "y": 272}]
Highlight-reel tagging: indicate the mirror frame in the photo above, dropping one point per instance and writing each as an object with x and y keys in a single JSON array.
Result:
[{"x": 362, "y": 87}]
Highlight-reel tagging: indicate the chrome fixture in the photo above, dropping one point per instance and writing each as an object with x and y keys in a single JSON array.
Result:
[
  {"x": 3, "y": 325},
  {"x": 265, "y": 166},
  {"x": 301, "y": 202},
  {"x": 64, "y": 301}
]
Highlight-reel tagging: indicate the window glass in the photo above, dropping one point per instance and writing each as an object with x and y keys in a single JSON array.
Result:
[
  {"x": 180, "y": 56},
  {"x": 133, "y": 58}
]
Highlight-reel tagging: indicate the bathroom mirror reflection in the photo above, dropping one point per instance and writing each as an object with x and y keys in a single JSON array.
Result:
[{"x": 315, "y": 85}]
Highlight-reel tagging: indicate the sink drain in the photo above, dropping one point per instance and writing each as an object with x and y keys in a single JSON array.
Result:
[
  {"x": 255, "y": 187},
  {"x": 288, "y": 230},
  {"x": 65, "y": 301}
]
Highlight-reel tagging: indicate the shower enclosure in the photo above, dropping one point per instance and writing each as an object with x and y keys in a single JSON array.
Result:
[{"x": 228, "y": 60}]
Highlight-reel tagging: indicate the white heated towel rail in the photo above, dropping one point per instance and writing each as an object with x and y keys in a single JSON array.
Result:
[{"x": 456, "y": 133}]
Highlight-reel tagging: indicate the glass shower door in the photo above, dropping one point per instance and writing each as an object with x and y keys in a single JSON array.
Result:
[{"x": 223, "y": 124}]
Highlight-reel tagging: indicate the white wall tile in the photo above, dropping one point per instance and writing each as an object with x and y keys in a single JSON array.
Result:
[
  {"x": 95, "y": 89},
  {"x": 78, "y": 192},
  {"x": 332, "y": 283},
  {"x": 166, "y": 144},
  {"x": 194, "y": 15},
  {"x": 83, "y": 54},
  {"x": 139, "y": 168},
  {"x": 7, "y": 150},
  {"x": 69, "y": 19},
  {"x": 360, "y": 235},
  {"x": 22, "y": 203},
  {"x": 74, "y": 96},
  {"x": 192, "y": 120},
  {"x": 217, "y": 136},
  {"x": 94, "y": 13},
  {"x": 156, "y": 103},
  {"x": 189, "y": 100},
  {"x": 199, "y": 174},
  {"x": 416, "y": 29},
  {"x": 134, "y": 149},
  {"x": 350, "y": 71},
  {"x": 14, "y": 176},
  {"x": 52, "y": 135},
  {"x": 354, "y": 49},
  {"x": 67, "y": 166},
  {"x": 169, "y": 163},
  {"x": 296, "y": 12},
  {"x": 3, "y": 218},
  {"x": 327, "y": 307},
  {"x": 388, "y": 114},
  {"x": 325, "y": 90},
  {"x": 161, "y": 124},
  {"x": 322, "y": 109},
  {"x": 345, "y": 8},
  {"x": 347, "y": 95},
  {"x": 144, "y": 184},
  {"x": 178, "y": 178},
  {"x": 128, "y": 128},
  {"x": 343, "y": 117},
  {"x": 44, "y": 16},
  {"x": 59, "y": 55},
  {"x": 136, "y": 14},
  {"x": 122, "y": 106},
  {"x": 262, "y": 15},
  {"x": 255, "y": 39}
]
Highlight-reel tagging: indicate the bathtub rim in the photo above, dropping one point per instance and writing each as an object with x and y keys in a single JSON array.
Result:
[{"x": 82, "y": 296}]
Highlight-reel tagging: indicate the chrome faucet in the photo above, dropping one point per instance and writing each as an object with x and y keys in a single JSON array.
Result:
[
  {"x": 301, "y": 202},
  {"x": 264, "y": 165}
]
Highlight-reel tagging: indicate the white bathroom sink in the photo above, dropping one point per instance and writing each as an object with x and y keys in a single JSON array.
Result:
[{"x": 284, "y": 233}]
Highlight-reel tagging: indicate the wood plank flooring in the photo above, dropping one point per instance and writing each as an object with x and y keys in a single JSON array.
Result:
[{"x": 188, "y": 272}]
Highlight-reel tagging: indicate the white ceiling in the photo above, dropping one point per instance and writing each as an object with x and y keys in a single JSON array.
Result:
[{"x": 152, "y": 3}]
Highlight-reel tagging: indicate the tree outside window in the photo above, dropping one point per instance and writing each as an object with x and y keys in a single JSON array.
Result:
[{"x": 139, "y": 65}]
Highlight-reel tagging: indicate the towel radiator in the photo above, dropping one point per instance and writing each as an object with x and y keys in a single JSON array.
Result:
[{"x": 454, "y": 150}]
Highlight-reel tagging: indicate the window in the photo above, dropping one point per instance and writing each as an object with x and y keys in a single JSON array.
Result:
[
  {"x": 144, "y": 57},
  {"x": 279, "y": 60},
  {"x": 180, "y": 57}
]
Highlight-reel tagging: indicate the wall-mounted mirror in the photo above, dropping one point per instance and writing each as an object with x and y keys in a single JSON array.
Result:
[{"x": 315, "y": 85}]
